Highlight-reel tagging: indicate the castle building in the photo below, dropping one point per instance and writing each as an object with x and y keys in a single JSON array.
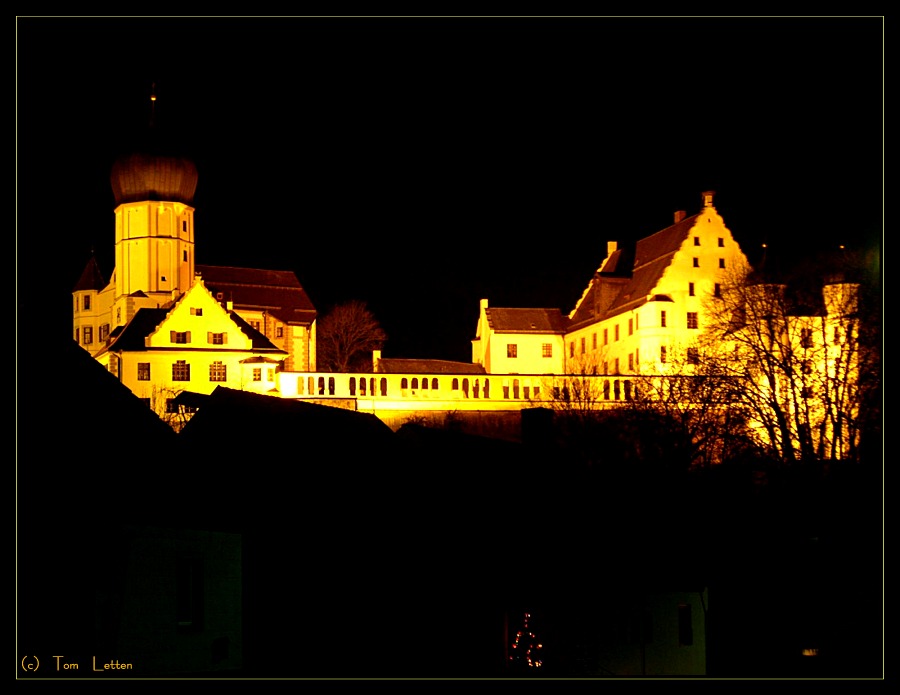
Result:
[{"x": 166, "y": 325}]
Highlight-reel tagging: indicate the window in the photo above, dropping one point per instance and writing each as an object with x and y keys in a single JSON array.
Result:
[
  {"x": 255, "y": 325},
  {"x": 184, "y": 253},
  {"x": 87, "y": 302},
  {"x": 571, "y": 349},
  {"x": 547, "y": 350},
  {"x": 216, "y": 338},
  {"x": 143, "y": 371},
  {"x": 88, "y": 335},
  {"x": 104, "y": 332},
  {"x": 721, "y": 262},
  {"x": 630, "y": 362},
  {"x": 184, "y": 229},
  {"x": 837, "y": 336},
  {"x": 691, "y": 289},
  {"x": 616, "y": 366},
  {"x": 606, "y": 336},
  {"x": 721, "y": 242},
  {"x": 662, "y": 319},
  {"x": 217, "y": 372},
  {"x": 582, "y": 345},
  {"x": 696, "y": 241},
  {"x": 257, "y": 374},
  {"x": 594, "y": 341},
  {"x": 512, "y": 350},
  {"x": 188, "y": 593},
  {"x": 630, "y": 326},
  {"x": 685, "y": 626},
  {"x": 180, "y": 336},
  {"x": 616, "y": 332},
  {"x": 806, "y": 367},
  {"x": 696, "y": 262},
  {"x": 692, "y": 319},
  {"x": 279, "y": 332},
  {"x": 196, "y": 311},
  {"x": 693, "y": 356},
  {"x": 662, "y": 354},
  {"x": 181, "y": 371},
  {"x": 806, "y": 337},
  {"x": 717, "y": 290}
]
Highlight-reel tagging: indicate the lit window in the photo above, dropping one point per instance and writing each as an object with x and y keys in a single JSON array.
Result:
[
  {"x": 547, "y": 350},
  {"x": 662, "y": 319},
  {"x": 218, "y": 372},
  {"x": 257, "y": 374},
  {"x": 181, "y": 371}
]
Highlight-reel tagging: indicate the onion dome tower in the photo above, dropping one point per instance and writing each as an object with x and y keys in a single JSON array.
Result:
[{"x": 153, "y": 186}]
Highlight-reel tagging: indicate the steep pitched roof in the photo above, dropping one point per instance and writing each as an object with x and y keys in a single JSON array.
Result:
[
  {"x": 277, "y": 291},
  {"x": 652, "y": 255},
  {"x": 91, "y": 277},
  {"x": 425, "y": 366},
  {"x": 513, "y": 320},
  {"x": 131, "y": 337}
]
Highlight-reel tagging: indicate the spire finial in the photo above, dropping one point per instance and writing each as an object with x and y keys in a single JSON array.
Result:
[{"x": 153, "y": 105}]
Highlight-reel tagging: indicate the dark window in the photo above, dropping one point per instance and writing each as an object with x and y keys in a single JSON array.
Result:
[
  {"x": 88, "y": 335},
  {"x": 662, "y": 354},
  {"x": 662, "y": 319},
  {"x": 693, "y": 356},
  {"x": 216, "y": 338},
  {"x": 279, "y": 332},
  {"x": 512, "y": 350},
  {"x": 616, "y": 332},
  {"x": 721, "y": 262},
  {"x": 685, "y": 626},
  {"x": 87, "y": 302},
  {"x": 143, "y": 371},
  {"x": 806, "y": 337},
  {"x": 196, "y": 311},
  {"x": 696, "y": 262},
  {"x": 189, "y": 594},
  {"x": 717, "y": 290},
  {"x": 696, "y": 241},
  {"x": 180, "y": 337},
  {"x": 582, "y": 345},
  {"x": 721, "y": 242},
  {"x": 692, "y": 321},
  {"x": 691, "y": 289}
]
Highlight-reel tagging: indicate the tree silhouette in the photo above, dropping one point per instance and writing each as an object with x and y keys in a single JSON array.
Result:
[{"x": 346, "y": 337}]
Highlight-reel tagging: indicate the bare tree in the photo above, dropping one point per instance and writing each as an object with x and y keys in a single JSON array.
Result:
[
  {"x": 794, "y": 350},
  {"x": 346, "y": 337}
]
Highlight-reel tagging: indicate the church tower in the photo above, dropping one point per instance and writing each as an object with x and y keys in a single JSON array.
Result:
[{"x": 154, "y": 252}]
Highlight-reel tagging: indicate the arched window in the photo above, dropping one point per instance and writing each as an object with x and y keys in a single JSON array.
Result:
[
  {"x": 465, "y": 388},
  {"x": 383, "y": 386},
  {"x": 515, "y": 389},
  {"x": 312, "y": 385},
  {"x": 425, "y": 383},
  {"x": 487, "y": 389},
  {"x": 617, "y": 393},
  {"x": 372, "y": 385},
  {"x": 331, "y": 386},
  {"x": 606, "y": 389},
  {"x": 455, "y": 384},
  {"x": 404, "y": 383},
  {"x": 300, "y": 384},
  {"x": 321, "y": 385},
  {"x": 434, "y": 384},
  {"x": 476, "y": 389},
  {"x": 415, "y": 382},
  {"x": 362, "y": 386},
  {"x": 352, "y": 385}
]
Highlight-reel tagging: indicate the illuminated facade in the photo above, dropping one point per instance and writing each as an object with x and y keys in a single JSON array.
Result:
[{"x": 165, "y": 324}]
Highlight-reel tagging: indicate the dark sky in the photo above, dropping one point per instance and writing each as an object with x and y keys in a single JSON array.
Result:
[{"x": 420, "y": 164}]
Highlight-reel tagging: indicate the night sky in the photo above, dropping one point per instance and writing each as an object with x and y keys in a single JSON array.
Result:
[{"x": 421, "y": 164}]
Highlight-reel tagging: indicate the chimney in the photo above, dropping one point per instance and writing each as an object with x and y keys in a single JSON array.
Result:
[
  {"x": 611, "y": 247},
  {"x": 680, "y": 215},
  {"x": 708, "y": 198}
]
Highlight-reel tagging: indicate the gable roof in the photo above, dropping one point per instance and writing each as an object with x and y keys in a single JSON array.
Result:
[
  {"x": 131, "y": 337},
  {"x": 652, "y": 255},
  {"x": 277, "y": 291},
  {"x": 513, "y": 320}
]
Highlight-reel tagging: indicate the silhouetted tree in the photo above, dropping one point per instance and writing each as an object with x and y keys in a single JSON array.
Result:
[{"x": 346, "y": 337}]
